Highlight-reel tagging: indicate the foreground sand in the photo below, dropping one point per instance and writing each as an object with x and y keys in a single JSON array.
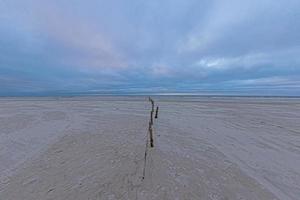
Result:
[{"x": 205, "y": 148}]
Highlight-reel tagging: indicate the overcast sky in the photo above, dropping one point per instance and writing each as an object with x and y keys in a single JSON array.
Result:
[{"x": 155, "y": 46}]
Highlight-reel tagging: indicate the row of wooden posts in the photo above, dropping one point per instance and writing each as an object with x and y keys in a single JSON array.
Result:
[
  {"x": 151, "y": 121},
  {"x": 150, "y": 130}
]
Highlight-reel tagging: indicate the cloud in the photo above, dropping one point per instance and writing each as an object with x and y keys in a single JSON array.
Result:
[
  {"x": 169, "y": 45},
  {"x": 161, "y": 70},
  {"x": 88, "y": 45},
  {"x": 224, "y": 16},
  {"x": 256, "y": 60},
  {"x": 239, "y": 25}
]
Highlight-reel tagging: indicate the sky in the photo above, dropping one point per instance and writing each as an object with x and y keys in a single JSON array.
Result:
[{"x": 249, "y": 47}]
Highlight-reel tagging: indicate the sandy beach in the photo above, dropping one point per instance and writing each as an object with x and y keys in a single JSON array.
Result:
[{"x": 80, "y": 148}]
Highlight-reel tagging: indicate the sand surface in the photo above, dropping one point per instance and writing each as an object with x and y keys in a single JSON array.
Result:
[{"x": 205, "y": 148}]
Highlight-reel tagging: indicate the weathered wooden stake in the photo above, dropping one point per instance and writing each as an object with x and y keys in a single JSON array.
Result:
[
  {"x": 152, "y": 103},
  {"x": 151, "y": 118},
  {"x": 151, "y": 136},
  {"x": 151, "y": 123},
  {"x": 156, "y": 113}
]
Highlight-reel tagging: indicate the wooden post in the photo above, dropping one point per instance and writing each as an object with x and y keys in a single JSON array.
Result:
[
  {"x": 152, "y": 103},
  {"x": 151, "y": 123},
  {"x": 151, "y": 136},
  {"x": 156, "y": 113},
  {"x": 151, "y": 117}
]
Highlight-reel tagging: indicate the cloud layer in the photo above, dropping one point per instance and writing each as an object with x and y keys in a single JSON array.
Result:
[{"x": 121, "y": 46}]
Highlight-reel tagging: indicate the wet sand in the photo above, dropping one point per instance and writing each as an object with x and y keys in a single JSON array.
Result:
[{"x": 205, "y": 148}]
